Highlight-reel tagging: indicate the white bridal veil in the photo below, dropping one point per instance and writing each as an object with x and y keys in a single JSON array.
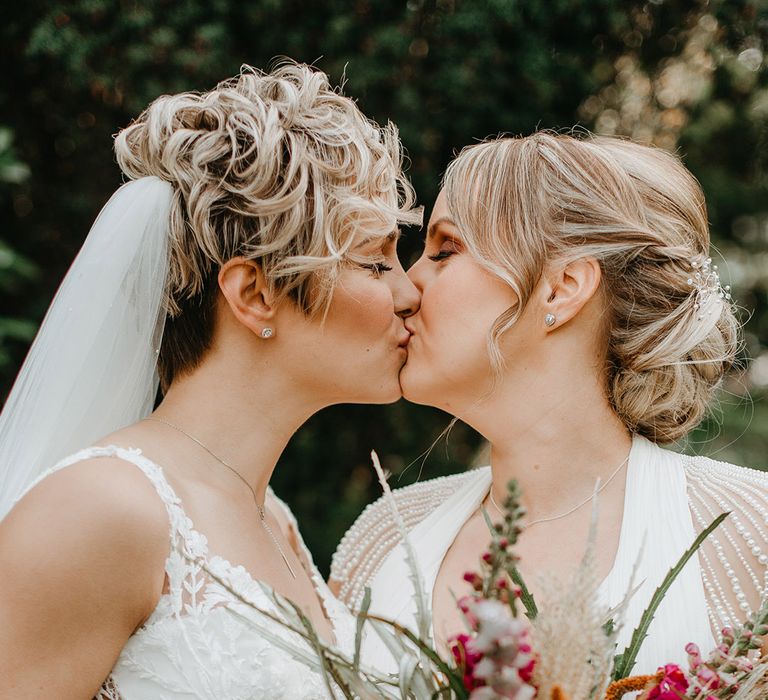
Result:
[{"x": 92, "y": 366}]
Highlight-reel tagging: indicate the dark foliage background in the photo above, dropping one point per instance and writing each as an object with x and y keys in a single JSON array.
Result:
[{"x": 687, "y": 75}]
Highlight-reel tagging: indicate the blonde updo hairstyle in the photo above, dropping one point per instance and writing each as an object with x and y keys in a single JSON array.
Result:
[
  {"x": 276, "y": 167},
  {"x": 522, "y": 203}
]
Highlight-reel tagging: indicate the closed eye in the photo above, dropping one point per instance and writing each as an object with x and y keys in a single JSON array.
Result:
[
  {"x": 378, "y": 268},
  {"x": 441, "y": 255}
]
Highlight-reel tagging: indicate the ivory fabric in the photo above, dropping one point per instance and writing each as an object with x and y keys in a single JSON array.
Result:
[
  {"x": 192, "y": 645},
  {"x": 663, "y": 489}
]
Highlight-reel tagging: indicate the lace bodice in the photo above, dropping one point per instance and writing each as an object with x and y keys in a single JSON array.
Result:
[
  {"x": 719, "y": 587},
  {"x": 195, "y": 643}
]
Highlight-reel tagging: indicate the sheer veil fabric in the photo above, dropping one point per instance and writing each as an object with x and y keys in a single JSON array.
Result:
[{"x": 92, "y": 367}]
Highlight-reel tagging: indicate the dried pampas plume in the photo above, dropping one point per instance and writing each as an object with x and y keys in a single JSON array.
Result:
[
  {"x": 568, "y": 611},
  {"x": 756, "y": 688}
]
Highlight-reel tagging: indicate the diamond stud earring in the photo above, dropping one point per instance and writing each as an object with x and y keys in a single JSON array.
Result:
[
  {"x": 549, "y": 320},
  {"x": 267, "y": 332}
]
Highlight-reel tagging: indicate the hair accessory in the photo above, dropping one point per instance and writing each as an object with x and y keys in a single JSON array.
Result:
[
  {"x": 110, "y": 309},
  {"x": 706, "y": 281},
  {"x": 549, "y": 320},
  {"x": 267, "y": 332}
]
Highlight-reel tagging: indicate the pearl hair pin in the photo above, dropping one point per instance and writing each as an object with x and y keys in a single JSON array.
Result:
[{"x": 706, "y": 281}]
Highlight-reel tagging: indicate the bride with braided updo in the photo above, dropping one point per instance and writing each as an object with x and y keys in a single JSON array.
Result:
[
  {"x": 250, "y": 265},
  {"x": 571, "y": 314}
]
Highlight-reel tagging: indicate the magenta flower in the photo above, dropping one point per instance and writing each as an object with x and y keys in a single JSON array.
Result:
[
  {"x": 672, "y": 686},
  {"x": 466, "y": 659}
]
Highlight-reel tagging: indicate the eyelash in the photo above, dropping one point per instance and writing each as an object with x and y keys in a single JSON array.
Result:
[
  {"x": 378, "y": 269},
  {"x": 441, "y": 255}
]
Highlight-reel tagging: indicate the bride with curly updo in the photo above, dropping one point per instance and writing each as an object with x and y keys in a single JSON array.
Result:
[
  {"x": 571, "y": 314},
  {"x": 250, "y": 266}
]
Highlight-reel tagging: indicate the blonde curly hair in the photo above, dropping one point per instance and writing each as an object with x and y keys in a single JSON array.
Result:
[
  {"x": 521, "y": 203},
  {"x": 277, "y": 167}
]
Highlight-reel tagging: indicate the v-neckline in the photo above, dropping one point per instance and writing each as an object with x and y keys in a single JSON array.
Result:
[
  {"x": 487, "y": 477},
  {"x": 226, "y": 564}
]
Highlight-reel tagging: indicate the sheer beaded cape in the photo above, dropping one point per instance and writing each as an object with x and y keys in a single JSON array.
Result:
[
  {"x": 195, "y": 643},
  {"x": 669, "y": 499}
]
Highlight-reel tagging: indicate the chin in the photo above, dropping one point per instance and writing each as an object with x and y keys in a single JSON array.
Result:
[
  {"x": 394, "y": 393},
  {"x": 388, "y": 391},
  {"x": 412, "y": 389}
]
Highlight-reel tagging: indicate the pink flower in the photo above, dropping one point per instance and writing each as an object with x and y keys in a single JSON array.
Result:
[
  {"x": 672, "y": 686},
  {"x": 708, "y": 678},
  {"x": 465, "y": 604},
  {"x": 474, "y": 580},
  {"x": 526, "y": 672},
  {"x": 466, "y": 659},
  {"x": 694, "y": 656}
]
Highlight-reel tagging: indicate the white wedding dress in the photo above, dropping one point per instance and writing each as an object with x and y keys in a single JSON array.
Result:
[
  {"x": 195, "y": 645},
  {"x": 669, "y": 498}
]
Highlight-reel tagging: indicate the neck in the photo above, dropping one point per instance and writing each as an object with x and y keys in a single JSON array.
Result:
[
  {"x": 556, "y": 443},
  {"x": 246, "y": 424}
]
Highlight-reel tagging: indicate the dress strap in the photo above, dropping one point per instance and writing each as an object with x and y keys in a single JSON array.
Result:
[{"x": 183, "y": 538}]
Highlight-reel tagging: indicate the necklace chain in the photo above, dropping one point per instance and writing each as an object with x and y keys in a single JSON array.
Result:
[
  {"x": 572, "y": 510},
  {"x": 259, "y": 507}
]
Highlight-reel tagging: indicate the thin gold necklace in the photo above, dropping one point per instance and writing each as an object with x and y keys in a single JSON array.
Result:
[
  {"x": 259, "y": 507},
  {"x": 572, "y": 510}
]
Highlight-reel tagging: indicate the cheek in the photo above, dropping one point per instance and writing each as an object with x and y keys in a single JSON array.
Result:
[
  {"x": 450, "y": 351},
  {"x": 361, "y": 312}
]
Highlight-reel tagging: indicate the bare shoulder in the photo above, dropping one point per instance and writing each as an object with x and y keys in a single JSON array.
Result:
[
  {"x": 99, "y": 496},
  {"x": 101, "y": 515},
  {"x": 88, "y": 542}
]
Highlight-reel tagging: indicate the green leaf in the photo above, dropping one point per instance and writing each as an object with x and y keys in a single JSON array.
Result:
[
  {"x": 359, "y": 628},
  {"x": 526, "y": 597},
  {"x": 450, "y": 674},
  {"x": 626, "y": 660}
]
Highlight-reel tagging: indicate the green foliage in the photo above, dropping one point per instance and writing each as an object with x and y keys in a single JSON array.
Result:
[
  {"x": 625, "y": 662},
  {"x": 16, "y": 270},
  {"x": 447, "y": 72}
]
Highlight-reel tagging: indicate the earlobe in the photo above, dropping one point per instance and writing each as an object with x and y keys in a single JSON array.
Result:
[
  {"x": 572, "y": 287},
  {"x": 247, "y": 295}
]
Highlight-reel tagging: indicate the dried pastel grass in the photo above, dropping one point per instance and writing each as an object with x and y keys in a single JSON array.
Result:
[
  {"x": 569, "y": 638},
  {"x": 756, "y": 688}
]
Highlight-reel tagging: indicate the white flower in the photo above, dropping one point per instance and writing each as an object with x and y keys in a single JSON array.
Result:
[
  {"x": 495, "y": 626},
  {"x": 485, "y": 669}
]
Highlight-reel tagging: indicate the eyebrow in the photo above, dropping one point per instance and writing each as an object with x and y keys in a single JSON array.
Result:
[
  {"x": 390, "y": 237},
  {"x": 442, "y": 220}
]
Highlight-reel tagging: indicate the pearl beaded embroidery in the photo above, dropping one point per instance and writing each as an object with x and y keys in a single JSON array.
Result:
[
  {"x": 733, "y": 560},
  {"x": 374, "y": 534}
]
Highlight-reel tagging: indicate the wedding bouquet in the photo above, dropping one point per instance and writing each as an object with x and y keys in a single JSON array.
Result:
[{"x": 513, "y": 648}]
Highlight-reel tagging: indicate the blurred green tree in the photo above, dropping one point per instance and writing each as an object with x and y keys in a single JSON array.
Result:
[{"x": 447, "y": 72}]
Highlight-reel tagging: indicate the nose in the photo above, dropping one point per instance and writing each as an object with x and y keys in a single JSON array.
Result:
[
  {"x": 407, "y": 297},
  {"x": 416, "y": 274}
]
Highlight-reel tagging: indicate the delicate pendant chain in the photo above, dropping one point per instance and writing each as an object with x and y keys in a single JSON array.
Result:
[
  {"x": 572, "y": 510},
  {"x": 259, "y": 508}
]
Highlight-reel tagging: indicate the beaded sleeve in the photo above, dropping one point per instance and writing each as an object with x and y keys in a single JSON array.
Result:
[
  {"x": 373, "y": 535},
  {"x": 734, "y": 558}
]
